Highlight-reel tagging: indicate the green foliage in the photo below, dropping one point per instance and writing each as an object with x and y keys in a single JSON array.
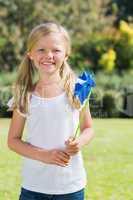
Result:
[
  {"x": 7, "y": 79},
  {"x": 105, "y": 82},
  {"x": 122, "y": 8},
  {"x": 110, "y": 104},
  {"x": 107, "y": 60},
  {"x": 103, "y": 51},
  {"x": 109, "y": 95},
  {"x": 96, "y": 45},
  {"x": 19, "y": 17},
  {"x": 124, "y": 47},
  {"x": 92, "y": 38},
  {"x": 91, "y": 50},
  {"x": 5, "y": 94}
]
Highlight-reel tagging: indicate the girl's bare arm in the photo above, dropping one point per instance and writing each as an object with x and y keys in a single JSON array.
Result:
[
  {"x": 15, "y": 141},
  {"x": 86, "y": 130},
  {"x": 23, "y": 148}
]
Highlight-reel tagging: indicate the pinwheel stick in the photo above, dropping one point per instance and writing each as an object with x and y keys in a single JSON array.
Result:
[{"x": 81, "y": 119}]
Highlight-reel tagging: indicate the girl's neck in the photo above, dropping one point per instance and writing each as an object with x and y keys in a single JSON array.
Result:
[
  {"x": 47, "y": 83},
  {"x": 48, "y": 89},
  {"x": 49, "y": 80}
]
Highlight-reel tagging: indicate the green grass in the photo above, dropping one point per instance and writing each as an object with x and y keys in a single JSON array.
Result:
[{"x": 108, "y": 162}]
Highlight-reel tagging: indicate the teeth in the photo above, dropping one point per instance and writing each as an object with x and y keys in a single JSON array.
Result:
[{"x": 47, "y": 63}]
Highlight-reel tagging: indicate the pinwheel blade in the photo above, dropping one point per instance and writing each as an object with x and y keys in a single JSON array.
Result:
[{"x": 83, "y": 86}]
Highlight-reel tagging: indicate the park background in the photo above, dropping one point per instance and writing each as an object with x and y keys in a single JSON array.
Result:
[{"x": 102, "y": 42}]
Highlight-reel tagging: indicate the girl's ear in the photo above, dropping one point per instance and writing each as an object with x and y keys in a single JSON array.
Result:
[{"x": 29, "y": 55}]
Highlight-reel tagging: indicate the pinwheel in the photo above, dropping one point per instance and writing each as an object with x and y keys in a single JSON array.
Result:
[{"x": 82, "y": 91}]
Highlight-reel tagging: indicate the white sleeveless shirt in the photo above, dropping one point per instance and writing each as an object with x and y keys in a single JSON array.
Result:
[{"x": 51, "y": 121}]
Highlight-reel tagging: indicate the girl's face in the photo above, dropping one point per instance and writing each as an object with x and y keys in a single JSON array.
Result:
[{"x": 49, "y": 53}]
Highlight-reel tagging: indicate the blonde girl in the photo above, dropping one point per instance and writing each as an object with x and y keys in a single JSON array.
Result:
[{"x": 43, "y": 99}]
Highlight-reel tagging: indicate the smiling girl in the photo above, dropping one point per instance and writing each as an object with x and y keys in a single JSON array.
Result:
[{"x": 53, "y": 165}]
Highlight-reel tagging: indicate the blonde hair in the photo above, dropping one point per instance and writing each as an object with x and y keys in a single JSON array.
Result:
[{"x": 26, "y": 73}]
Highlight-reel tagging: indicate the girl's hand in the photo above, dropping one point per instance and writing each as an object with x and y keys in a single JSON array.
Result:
[
  {"x": 72, "y": 146},
  {"x": 57, "y": 157}
]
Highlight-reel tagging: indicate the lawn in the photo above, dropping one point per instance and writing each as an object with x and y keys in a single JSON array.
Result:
[{"x": 108, "y": 162}]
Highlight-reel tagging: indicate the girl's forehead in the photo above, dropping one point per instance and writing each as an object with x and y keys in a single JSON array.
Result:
[{"x": 51, "y": 39}]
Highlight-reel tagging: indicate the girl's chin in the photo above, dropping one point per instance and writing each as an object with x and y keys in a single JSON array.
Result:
[
  {"x": 48, "y": 66},
  {"x": 48, "y": 69}
]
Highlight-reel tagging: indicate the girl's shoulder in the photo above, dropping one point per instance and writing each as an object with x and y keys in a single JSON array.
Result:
[{"x": 10, "y": 105}]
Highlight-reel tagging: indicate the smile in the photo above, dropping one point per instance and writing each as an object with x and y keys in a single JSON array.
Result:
[{"x": 48, "y": 63}]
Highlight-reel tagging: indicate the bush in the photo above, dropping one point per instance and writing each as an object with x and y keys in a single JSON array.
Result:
[
  {"x": 109, "y": 104},
  {"x": 92, "y": 50},
  {"x": 5, "y": 95},
  {"x": 7, "y": 79},
  {"x": 107, "y": 60},
  {"x": 106, "y": 103}
]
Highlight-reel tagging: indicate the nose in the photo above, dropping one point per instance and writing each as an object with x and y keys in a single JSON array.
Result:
[{"x": 49, "y": 55}]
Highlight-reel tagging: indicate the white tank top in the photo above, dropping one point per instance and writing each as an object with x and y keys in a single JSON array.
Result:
[{"x": 51, "y": 121}]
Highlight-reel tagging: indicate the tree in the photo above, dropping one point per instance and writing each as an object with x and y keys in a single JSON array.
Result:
[{"x": 81, "y": 18}]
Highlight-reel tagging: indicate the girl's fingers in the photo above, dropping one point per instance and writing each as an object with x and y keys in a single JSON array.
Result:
[
  {"x": 69, "y": 140},
  {"x": 62, "y": 158},
  {"x": 65, "y": 155},
  {"x": 74, "y": 143},
  {"x": 71, "y": 150},
  {"x": 61, "y": 162},
  {"x": 71, "y": 143},
  {"x": 73, "y": 147}
]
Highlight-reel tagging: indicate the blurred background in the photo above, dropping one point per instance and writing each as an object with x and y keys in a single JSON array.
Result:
[{"x": 102, "y": 42}]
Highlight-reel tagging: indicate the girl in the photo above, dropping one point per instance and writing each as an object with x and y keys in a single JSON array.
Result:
[{"x": 43, "y": 98}]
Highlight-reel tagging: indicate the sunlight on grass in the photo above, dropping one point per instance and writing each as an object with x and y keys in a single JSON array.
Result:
[{"x": 108, "y": 162}]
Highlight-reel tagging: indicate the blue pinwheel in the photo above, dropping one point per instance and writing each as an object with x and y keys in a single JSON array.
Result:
[
  {"x": 83, "y": 86},
  {"x": 83, "y": 89}
]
